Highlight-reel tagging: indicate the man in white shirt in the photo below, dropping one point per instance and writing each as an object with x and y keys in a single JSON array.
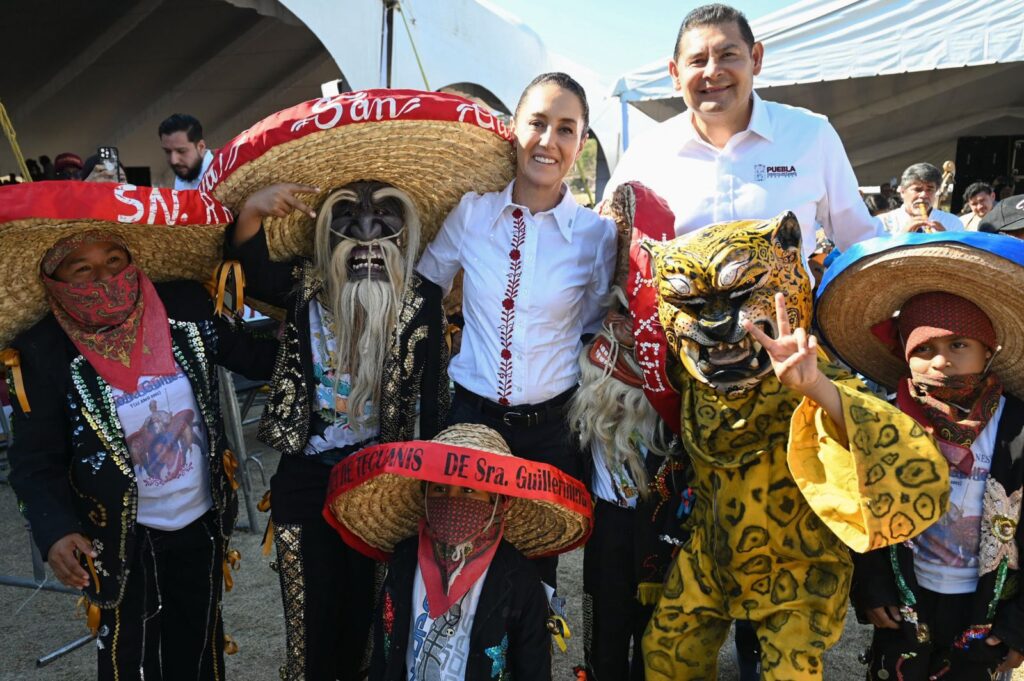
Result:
[
  {"x": 181, "y": 137},
  {"x": 917, "y": 214},
  {"x": 732, "y": 155},
  {"x": 980, "y": 198}
]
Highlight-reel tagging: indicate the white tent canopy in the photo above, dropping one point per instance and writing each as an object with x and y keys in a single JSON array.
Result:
[{"x": 899, "y": 79}]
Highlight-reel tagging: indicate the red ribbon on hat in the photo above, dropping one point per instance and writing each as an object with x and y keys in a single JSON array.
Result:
[
  {"x": 450, "y": 464},
  {"x": 653, "y": 219},
  {"x": 350, "y": 108},
  {"x": 109, "y": 202}
]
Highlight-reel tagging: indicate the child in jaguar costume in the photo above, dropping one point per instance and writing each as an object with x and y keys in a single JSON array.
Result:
[{"x": 793, "y": 459}]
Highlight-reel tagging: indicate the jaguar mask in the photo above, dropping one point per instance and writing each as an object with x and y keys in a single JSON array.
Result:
[{"x": 712, "y": 280}]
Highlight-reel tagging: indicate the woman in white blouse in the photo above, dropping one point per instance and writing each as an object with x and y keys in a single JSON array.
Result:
[{"x": 537, "y": 266}]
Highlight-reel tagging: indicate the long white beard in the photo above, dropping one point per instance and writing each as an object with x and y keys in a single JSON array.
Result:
[
  {"x": 365, "y": 313},
  {"x": 608, "y": 412}
]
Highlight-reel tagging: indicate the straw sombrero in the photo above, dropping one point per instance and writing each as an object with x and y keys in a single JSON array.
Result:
[
  {"x": 171, "y": 235},
  {"x": 871, "y": 281},
  {"x": 375, "y": 497},
  {"x": 433, "y": 146}
]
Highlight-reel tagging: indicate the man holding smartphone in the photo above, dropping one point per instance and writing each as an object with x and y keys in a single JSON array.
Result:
[{"x": 181, "y": 137}]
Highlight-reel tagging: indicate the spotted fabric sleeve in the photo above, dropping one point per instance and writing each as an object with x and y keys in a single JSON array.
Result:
[{"x": 883, "y": 483}]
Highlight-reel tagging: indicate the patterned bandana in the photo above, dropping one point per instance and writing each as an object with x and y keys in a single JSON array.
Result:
[
  {"x": 953, "y": 409},
  {"x": 458, "y": 539},
  {"x": 939, "y": 405},
  {"x": 118, "y": 324}
]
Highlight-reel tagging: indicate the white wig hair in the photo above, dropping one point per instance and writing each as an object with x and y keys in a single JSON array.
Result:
[{"x": 614, "y": 415}]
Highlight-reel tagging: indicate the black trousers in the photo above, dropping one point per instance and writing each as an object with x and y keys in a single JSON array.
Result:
[
  {"x": 616, "y": 618},
  {"x": 327, "y": 588},
  {"x": 896, "y": 655},
  {"x": 548, "y": 443},
  {"x": 168, "y": 625}
]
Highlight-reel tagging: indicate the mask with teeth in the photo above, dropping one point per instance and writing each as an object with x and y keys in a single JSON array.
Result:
[{"x": 711, "y": 280}]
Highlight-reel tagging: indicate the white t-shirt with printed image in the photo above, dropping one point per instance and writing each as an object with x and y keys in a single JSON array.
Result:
[{"x": 168, "y": 443}]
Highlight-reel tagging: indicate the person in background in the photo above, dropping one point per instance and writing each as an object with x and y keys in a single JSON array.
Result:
[
  {"x": 96, "y": 170},
  {"x": 181, "y": 137},
  {"x": 67, "y": 166},
  {"x": 876, "y": 204},
  {"x": 980, "y": 198},
  {"x": 918, "y": 186}
]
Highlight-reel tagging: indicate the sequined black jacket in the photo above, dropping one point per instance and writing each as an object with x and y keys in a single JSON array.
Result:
[
  {"x": 415, "y": 385},
  {"x": 875, "y": 582},
  {"x": 509, "y": 638},
  {"x": 70, "y": 464}
]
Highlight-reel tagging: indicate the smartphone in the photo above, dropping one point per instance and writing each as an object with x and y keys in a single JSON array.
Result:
[{"x": 111, "y": 161}]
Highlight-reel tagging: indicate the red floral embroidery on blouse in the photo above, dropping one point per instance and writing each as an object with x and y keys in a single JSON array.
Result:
[{"x": 508, "y": 314}]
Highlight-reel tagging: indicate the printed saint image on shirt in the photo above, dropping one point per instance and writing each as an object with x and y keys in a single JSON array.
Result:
[{"x": 164, "y": 438}]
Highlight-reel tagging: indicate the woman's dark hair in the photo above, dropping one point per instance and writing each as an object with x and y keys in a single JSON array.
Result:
[
  {"x": 566, "y": 82},
  {"x": 876, "y": 204}
]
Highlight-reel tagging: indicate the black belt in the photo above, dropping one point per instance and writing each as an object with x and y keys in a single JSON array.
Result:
[{"x": 527, "y": 415}]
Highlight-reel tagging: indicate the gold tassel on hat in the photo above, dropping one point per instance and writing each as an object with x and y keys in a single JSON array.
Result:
[
  {"x": 559, "y": 630},
  {"x": 229, "y": 271},
  {"x": 12, "y": 360},
  {"x": 230, "y": 467},
  {"x": 92, "y": 614},
  {"x": 232, "y": 561},
  {"x": 268, "y": 534},
  {"x": 230, "y": 647}
]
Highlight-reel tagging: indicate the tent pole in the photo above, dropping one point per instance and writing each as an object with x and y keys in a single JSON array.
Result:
[
  {"x": 625, "y": 123},
  {"x": 389, "y": 18}
]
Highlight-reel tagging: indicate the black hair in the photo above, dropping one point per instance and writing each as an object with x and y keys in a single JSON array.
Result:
[
  {"x": 564, "y": 81},
  {"x": 190, "y": 125},
  {"x": 977, "y": 188},
  {"x": 876, "y": 204},
  {"x": 714, "y": 15}
]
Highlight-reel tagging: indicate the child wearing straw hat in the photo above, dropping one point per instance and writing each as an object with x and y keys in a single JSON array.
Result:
[
  {"x": 363, "y": 355},
  {"x": 456, "y": 516},
  {"x": 945, "y": 604},
  {"x": 120, "y": 460}
]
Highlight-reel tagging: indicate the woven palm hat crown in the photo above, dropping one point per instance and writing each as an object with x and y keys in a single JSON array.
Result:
[
  {"x": 433, "y": 146},
  {"x": 871, "y": 281},
  {"x": 170, "y": 235},
  {"x": 375, "y": 497}
]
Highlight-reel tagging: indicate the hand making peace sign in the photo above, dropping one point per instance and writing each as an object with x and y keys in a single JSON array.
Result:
[{"x": 794, "y": 356}]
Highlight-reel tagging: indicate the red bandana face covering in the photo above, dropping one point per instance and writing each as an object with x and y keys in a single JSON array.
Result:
[
  {"x": 458, "y": 539},
  {"x": 953, "y": 409},
  {"x": 118, "y": 324}
]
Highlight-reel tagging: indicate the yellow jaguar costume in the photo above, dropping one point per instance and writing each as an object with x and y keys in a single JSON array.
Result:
[{"x": 780, "y": 493}]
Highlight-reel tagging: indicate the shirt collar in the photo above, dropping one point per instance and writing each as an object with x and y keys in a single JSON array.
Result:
[
  {"x": 760, "y": 122},
  {"x": 564, "y": 213}
]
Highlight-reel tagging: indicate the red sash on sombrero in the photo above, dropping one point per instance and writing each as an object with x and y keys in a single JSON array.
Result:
[
  {"x": 392, "y": 511},
  {"x": 653, "y": 219}
]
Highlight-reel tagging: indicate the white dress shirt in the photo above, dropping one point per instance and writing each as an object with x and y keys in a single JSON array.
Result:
[
  {"x": 194, "y": 184},
  {"x": 787, "y": 159},
  {"x": 533, "y": 285},
  {"x": 896, "y": 220}
]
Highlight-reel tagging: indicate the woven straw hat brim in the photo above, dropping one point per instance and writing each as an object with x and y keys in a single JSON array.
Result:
[
  {"x": 387, "y": 509},
  {"x": 871, "y": 282},
  {"x": 434, "y": 162},
  {"x": 163, "y": 253}
]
